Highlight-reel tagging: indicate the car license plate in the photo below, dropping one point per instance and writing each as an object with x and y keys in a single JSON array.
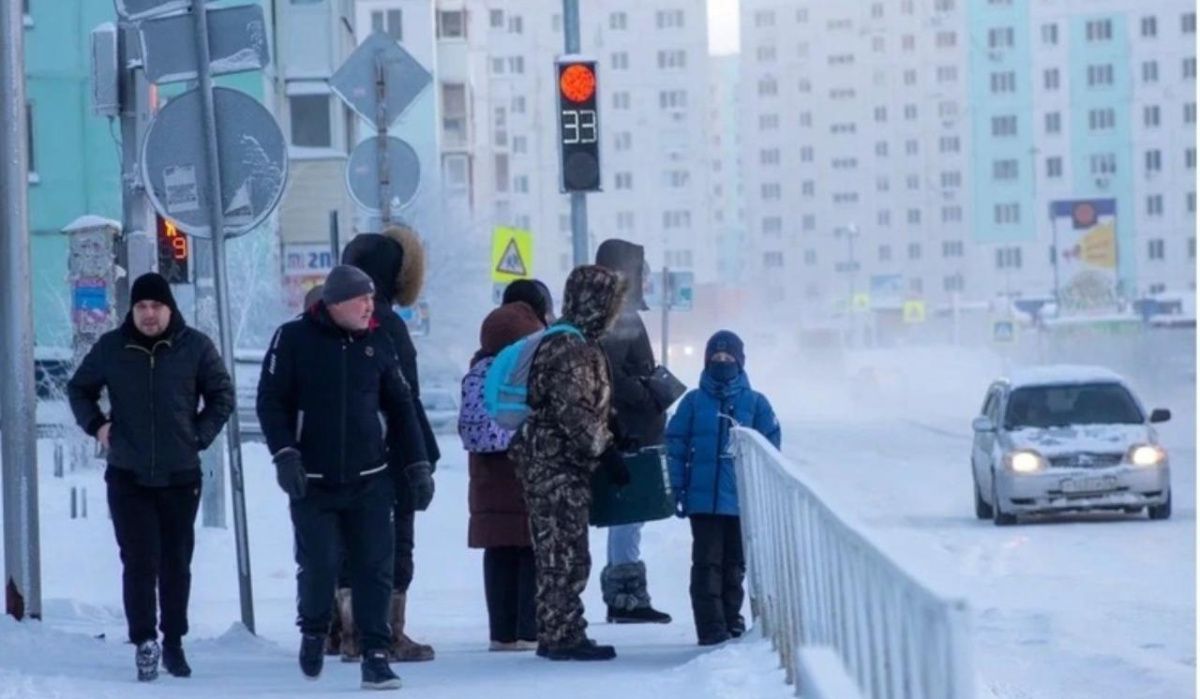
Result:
[{"x": 1089, "y": 485}]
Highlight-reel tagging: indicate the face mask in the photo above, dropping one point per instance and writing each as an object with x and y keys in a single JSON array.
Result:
[{"x": 724, "y": 371}]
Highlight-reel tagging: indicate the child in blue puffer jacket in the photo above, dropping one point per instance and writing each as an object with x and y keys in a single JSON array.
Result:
[{"x": 699, "y": 454}]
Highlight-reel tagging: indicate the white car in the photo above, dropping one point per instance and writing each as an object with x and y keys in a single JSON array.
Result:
[{"x": 1062, "y": 438}]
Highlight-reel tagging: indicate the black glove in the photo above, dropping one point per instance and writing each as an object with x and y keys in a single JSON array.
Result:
[
  {"x": 681, "y": 504},
  {"x": 289, "y": 472},
  {"x": 612, "y": 462},
  {"x": 420, "y": 484}
]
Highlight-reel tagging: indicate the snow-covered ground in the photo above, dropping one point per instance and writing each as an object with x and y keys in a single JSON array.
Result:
[{"x": 63, "y": 657}]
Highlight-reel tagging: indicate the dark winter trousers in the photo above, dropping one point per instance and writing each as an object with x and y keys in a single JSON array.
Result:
[
  {"x": 402, "y": 566},
  {"x": 718, "y": 570},
  {"x": 511, "y": 588},
  {"x": 156, "y": 535},
  {"x": 358, "y": 515},
  {"x": 559, "y": 523}
]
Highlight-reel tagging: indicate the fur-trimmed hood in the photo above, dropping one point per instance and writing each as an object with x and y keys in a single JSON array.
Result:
[
  {"x": 593, "y": 299},
  {"x": 395, "y": 260}
]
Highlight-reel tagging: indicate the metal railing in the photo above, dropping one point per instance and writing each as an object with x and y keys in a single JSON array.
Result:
[{"x": 818, "y": 579}]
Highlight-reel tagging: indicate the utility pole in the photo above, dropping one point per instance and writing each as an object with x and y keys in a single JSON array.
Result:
[
  {"x": 220, "y": 278},
  {"x": 666, "y": 313},
  {"x": 579, "y": 227},
  {"x": 135, "y": 251},
  {"x": 18, "y": 401}
]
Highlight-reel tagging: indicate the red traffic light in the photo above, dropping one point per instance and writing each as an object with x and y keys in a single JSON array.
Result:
[{"x": 577, "y": 82}]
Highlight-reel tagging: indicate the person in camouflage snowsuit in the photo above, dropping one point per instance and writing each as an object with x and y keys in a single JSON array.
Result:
[{"x": 564, "y": 440}]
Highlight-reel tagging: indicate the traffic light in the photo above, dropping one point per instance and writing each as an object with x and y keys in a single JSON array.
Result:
[
  {"x": 578, "y": 126},
  {"x": 174, "y": 252}
]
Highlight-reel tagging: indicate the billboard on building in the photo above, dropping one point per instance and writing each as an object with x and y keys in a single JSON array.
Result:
[{"x": 1085, "y": 255}]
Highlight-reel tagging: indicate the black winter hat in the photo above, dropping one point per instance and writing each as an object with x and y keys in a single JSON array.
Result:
[
  {"x": 726, "y": 341},
  {"x": 344, "y": 283},
  {"x": 152, "y": 286},
  {"x": 531, "y": 292}
]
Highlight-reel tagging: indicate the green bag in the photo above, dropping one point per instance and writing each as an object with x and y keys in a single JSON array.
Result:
[{"x": 648, "y": 496}]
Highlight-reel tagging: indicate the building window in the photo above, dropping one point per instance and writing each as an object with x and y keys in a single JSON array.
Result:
[
  {"x": 952, "y": 248},
  {"x": 772, "y": 260},
  {"x": 1189, "y": 158},
  {"x": 1190, "y": 203},
  {"x": 518, "y": 104},
  {"x": 1153, "y": 160},
  {"x": 521, "y": 184},
  {"x": 516, "y": 65},
  {"x": 621, "y": 100},
  {"x": 623, "y": 141},
  {"x": 456, "y": 172},
  {"x": 311, "y": 120},
  {"x": 1099, "y": 30},
  {"x": 947, "y": 74},
  {"x": 1101, "y": 119},
  {"x": 808, "y": 188},
  {"x": 764, "y": 18},
  {"x": 765, "y": 54},
  {"x": 1189, "y": 67},
  {"x": 913, "y": 217},
  {"x": 1104, "y": 163},
  {"x": 806, "y": 154},
  {"x": 1150, "y": 116},
  {"x": 768, "y": 156},
  {"x": 389, "y": 22},
  {"x": 885, "y": 253},
  {"x": 1007, "y": 82},
  {"x": 454, "y": 113},
  {"x": 1157, "y": 249},
  {"x": 1050, "y": 34},
  {"x": 1149, "y": 26},
  {"x": 771, "y": 191},
  {"x": 883, "y": 218},
  {"x": 620, "y": 61},
  {"x": 669, "y": 19},
  {"x": 516, "y": 25},
  {"x": 881, "y": 149},
  {"x": 952, "y": 214},
  {"x": 810, "y": 257},
  {"x": 1150, "y": 71},
  {"x": 1189, "y": 113},
  {"x": 949, "y": 144},
  {"x": 1006, "y": 214},
  {"x": 1008, "y": 258},
  {"x": 806, "y": 120},
  {"x": 768, "y": 122},
  {"x": 452, "y": 24},
  {"x": 1004, "y": 169},
  {"x": 1188, "y": 23},
  {"x": 1100, "y": 75},
  {"x": 1054, "y": 167},
  {"x": 496, "y": 19},
  {"x": 618, "y": 21},
  {"x": 672, "y": 59},
  {"x": 910, "y": 112},
  {"x": 502, "y": 174},
  {"x": 1050, "y": 79},
  {"x": 1001, "y": 37},
  {"x": 672, "y": 99},
  {"x": 1053, "y": 122},
  {"x": 953, "y": 283},
  {"x": 1004, "y": 126},
  {"x": 767, "y": 87},
  {"x": 623, "y": 180},
  {"x": 1154, "y": 205}
]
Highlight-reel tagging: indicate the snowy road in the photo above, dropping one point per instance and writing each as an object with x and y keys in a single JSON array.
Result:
[{"x": 1097, "y": 606}]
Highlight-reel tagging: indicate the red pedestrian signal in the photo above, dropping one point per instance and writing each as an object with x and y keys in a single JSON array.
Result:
[
  {"x": 578, "y": 126},
  {"x": 174, "y": 251}
]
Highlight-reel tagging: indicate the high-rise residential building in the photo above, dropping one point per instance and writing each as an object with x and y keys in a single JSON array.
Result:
[
  {"x": 499, "y": 126},
  {"x": 726, "y": 206},
  {"x": 912, "y": 149}
]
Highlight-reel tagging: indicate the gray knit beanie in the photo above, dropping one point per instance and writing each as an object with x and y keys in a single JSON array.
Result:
[{"x": 344, "y": 283}]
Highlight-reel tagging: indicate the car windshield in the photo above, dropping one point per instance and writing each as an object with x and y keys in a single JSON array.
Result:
[{"x": 1082, "y": 404}]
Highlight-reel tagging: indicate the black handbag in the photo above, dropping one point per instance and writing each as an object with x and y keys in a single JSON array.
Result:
[{"x": 665, "y": 388}]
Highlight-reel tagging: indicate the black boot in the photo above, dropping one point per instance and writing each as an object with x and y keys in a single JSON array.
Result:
[
  {"x": 713, "y": 639},
  {"x": 174, "y": 660},
  {"x": 376, "y": 674},
  {"x": 640, "y": 615},
  {"x": 737, "y": 627},
  {"x": 586, "y": 649},
  {"x": 146, "y": 658},
  {"x": 312, "y": 654}
]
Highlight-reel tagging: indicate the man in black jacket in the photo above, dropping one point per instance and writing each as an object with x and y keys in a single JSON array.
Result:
[
  {"x": 640, "y": 423},
  {"x": 395, "y": 261},
  {"x": 156, "y": 371},
  {"x": 327, "y": 378}
]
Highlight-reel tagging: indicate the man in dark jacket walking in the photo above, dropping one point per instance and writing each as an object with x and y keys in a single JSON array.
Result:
[
  {"x": 327, "y": 378},
  {"x": 640, "y": 423},
  {"x": 395, "y": 261},
  {"x": 156, "y": 371}
]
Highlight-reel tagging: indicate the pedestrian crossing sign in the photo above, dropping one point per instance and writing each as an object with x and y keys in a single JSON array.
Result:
[
  {"x": 1004, "y": 331},
  {"x": 512, "y": 254},
  {"x": 914, "y": 311}
]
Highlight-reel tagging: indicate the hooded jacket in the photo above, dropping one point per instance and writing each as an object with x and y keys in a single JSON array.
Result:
[
  {"x": 494, "y": 495},
  {"x": 570, "y": 390},
  {"x": 158, "y": 429},
  {"x": 327, "y": 393},
  {"x": 640, "y": 420},
  {"x": 395, "y": 261},
  {"x": 699, "y": 456}
]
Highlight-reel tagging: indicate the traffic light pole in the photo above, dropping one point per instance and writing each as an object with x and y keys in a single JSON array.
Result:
[
  {"x": 220, "y": 278},
  {"x": 579, "y": 227},
  {"x": 18, "y": 401}
]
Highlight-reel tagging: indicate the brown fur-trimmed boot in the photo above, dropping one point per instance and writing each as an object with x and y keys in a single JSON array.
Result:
[
  {"x": 403, "y": 648},
  {"x": 351, "y": 652}
]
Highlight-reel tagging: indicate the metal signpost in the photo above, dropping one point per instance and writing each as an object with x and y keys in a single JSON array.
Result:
[
  {"x": 677, "y": 294},
  {"x": 215, "y": 162},
  {"x": 18, "y": 401},
  {"x": 379, "y": 81}
]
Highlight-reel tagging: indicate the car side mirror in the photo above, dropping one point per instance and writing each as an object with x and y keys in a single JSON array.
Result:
[
  {"x": 983, "y": 424},
  {"x": 1160, "y": 415}
]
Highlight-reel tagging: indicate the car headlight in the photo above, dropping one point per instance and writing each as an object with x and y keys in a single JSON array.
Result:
[
  {"x": 1147, "y": 455},
  {"x": 1025, "y": 461}
]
